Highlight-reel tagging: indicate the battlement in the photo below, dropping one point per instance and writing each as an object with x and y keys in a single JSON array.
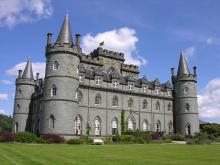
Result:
[
  {"x": 57, "y": 47},
  {"x": 91, "y": 60},
  {"x": 189, "y": 77},
  {"x": 106, "y": 53},
  {"x": 130, "y": 68}
]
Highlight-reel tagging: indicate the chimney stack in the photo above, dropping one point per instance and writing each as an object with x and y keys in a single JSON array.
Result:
[
  {"x": 49, "y": 38},
  {"x": 172, "y": 72},
  {"x": 78, "y": 40},
  {"x": 19, "y": 73}
]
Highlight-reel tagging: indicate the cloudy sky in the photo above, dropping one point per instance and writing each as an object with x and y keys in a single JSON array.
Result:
[{"x": 151, "y": 33}]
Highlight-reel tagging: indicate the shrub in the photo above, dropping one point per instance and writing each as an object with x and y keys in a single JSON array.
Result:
[
  {"x": 27, "y": 137},
  {"x": 123, "y": 138},
  {"x": 1, "y": 139},
  {"x": 176, "y": 137},
  {"x": 217, "y": 139},
  {"x": 85, "y": 139},
  {"x": 156, "y": 136},
  {"x": 7, "y": 136},
  {"x": 107, "y": 140},
  {"x": 74, "y": 141},
  {"x": 53, "y": 138},
  {"x": 139, "y": 140},
  {"x": 201, "y": 138}
]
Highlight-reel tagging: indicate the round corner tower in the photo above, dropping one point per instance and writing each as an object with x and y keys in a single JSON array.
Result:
[
  {"x": 61, "y": 83},
  {"x": 186, "y": 116},
  {"x": 25, "y": 87}
]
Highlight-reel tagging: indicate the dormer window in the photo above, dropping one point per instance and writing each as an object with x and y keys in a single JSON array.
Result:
[
  {"x": 157, "y": 91},
  {"x": 115, "y": 84},
  {"x": 130, "y": 86},
  {"x": 55, "y": 65},
  {"x": 145, "y": 89},
  {"x": 168, "y": 93},
  {"x": 98, "y": 81},
  {"x": 80, "y": 78}
]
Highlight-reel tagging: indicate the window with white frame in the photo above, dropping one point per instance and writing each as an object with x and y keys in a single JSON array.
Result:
[
  {"x": 78, "y": 125},
  {"x": 130, "y": 86},
  {"x": 157, "y": 91},
  {"x": 55, "y": 65},
  {"x": 51, "y": 121},
  {"x": 114, "y": 126},
  {"x": 97, "y": 126},
  {"x": 98, "y": 81},
  {"x": 80, "y": 78},
  {"x": 145, "y": 125},
  {"x": 145, "y": 89},
  {"x": 115, "y": 84},
  {"x": 130, "y": 125},
  {"x": 115, "y": 101},
  {"x": 53, "y": 90}
]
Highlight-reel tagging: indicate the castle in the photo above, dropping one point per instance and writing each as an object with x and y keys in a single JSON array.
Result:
[{"x": 89, "y": 93}]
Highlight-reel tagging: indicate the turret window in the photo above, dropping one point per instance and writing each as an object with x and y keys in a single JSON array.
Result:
[
  {"x": 115, "y": 101},
  {"x": 80, "y": 78},
  {"x": 16, "y": 127},
  {"x": 157, "y": 91},
  {"x": 98, "y": 99},
  {"x": 51, "y": 121},
  {"x": 18, "y": 107},
  {"x": 79, "y": 95},
  {"x": 187, "y": 107},
  {"x": 78, "y": 125},
  {"x": 168, "y": 93},
  {"x": 185, "y": 90},
  {"x": 115, "y": 84},
  {"x": 55, "y": 65},
  {"x": 145, "y": 89},
  {"x": 53, "y": 90}
]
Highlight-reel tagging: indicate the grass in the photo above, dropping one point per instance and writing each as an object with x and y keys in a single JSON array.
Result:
[{"x": 152, "y": 154}]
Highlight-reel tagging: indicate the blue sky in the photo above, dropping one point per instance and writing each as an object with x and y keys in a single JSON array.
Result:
[{"x": 155, "y": 32}]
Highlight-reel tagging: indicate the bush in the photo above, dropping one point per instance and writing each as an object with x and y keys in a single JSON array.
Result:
[
  {"x": 74, "y": 141},
  {"x": 7, "y": 136},
  {"x": 201, "y": 138},
  {"x": 107, "y": 140},
  {"x": 123, "y": 138},
  {"x": 85, "y": 139},
  {"x": 27, "y": 137},
  {"x": 53, "y": 138},
  {"x": 176, "y": 137},
  {"x": 217, "y": 139}
]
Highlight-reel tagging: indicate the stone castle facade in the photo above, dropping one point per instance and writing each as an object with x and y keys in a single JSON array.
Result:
[{"x": 91, "y": 92}]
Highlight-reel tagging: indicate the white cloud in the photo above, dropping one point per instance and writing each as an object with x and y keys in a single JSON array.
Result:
[
  {"x": 3, "y": 97},
  {"x": 2, "y": 111},
  {"x": 209, "y": 41},
  {"x": 7, "y": 82},
  {"x": 120, "y": 40},
  {"x": 38, "y": 67},
  {"x": 209, "y": 100},
  {"x": 13, "y": 12},
  {"x": 190, "y": 51}
]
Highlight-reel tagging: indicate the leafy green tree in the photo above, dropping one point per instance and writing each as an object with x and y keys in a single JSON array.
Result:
[{"x": 5, "y": 122}]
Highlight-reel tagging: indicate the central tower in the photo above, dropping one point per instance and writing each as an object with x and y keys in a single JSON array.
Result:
[{"x": 61, "y": 83}]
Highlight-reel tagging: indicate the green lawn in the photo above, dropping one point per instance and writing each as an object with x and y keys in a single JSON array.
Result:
[{"x": 148, "y": 154}]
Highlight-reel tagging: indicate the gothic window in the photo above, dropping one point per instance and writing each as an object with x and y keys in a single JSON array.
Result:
[
  {"x": 145, "y": 125},
  {"x": 115, "y": 84},
  {"x": 98, "y": 99},
  {"x": 53, "y": 90},
  {"x": 51, "y": 121},
  {"x": 114, "y": 126},
  {"x": 158, "y": 126},
  {"x": 130, "y": 103},
  {"x": 115, "y": 101},
  {"x": 145, "y": 89},
  {"x": 97, "y": 126},
  {"x": 169, "y": 107},
  {"x": 157, "y": 106},
  {"x": 77, "y": 70},
  {"x": 78, "y": 125},
  {"x": 16, "y": 127},
  {"x": 111, "y": 70},
  {"x": 130, "y": 86},
  {"x": 144, "y": 104},
  {"x": 188, "y": 129},
  {"x": 187, "y": 107},
  {"x": 55, "y": 65},
  {"x": 98, "y": 81},
  {"x": 130, "y": 124},
  {"x": 80, "y": 96},
  {"x": 185, "y": 90}
]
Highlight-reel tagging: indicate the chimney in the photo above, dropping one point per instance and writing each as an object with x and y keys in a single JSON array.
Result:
[
  {"x": 37, "y": 76},
  {"x": 194, "y": 70},
  {"x": 172, "y": 72},
  {"x": 19, "y": 73},
  {"x": 78, "y": 40},
  {"x": 49, "y": 37}
]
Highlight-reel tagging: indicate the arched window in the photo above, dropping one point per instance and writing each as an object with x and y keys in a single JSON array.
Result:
[
  {"x": 187, "y": 107},
  {"x": 111, "y": 70},
  {"x": 53, "y": 90},
  {"x": 144, "y": 104},
  {"x": 114, "y": 126},
  {"x": 98, "y": 99},
  {"x": 16, "y": 127},
  {"x": 115, "y": 101},
  {"x": 145, "y": 125},
  {"x": 169, "y": 107},
  {"x": 170, "y": 126},
  {"x": 157, "y": 106},
  {"x": 188, "y": 129},
  {"x": 97, "y": 126},
  {"x": 158, "y": 126},
  {"x": 98, "y": 81},
  {"x": 130, "y": 124},
  {"x": 115, "y": 84},
  {"x": 130, "y": 103},
  {"x": 51, "y": 121},
  {"x": 18, "y": 107},
  {"x": 78, "y": 125},
  {"x": 55, "y": 65}
]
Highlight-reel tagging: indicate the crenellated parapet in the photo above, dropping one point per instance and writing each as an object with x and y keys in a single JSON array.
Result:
[
  {"x": 130, "y": 68},
  {"x": 109, "y": 54},
  {"x": 91, "y": 60}
]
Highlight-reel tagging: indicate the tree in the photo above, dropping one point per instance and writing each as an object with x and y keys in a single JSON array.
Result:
[
  {"x": 122, "y": 122},
  {"x": 5, "y": 122}
]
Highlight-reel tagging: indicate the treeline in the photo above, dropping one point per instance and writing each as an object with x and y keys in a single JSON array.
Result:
[
  {"x": 5, "y": 122},
  {"x": 211, "y": 128}
]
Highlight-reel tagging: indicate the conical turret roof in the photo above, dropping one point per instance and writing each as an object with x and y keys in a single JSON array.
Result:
[
  {"x": 183, "y": 66},
  {"x": 65, "y": 35},
  {"x": 28, "y": 72}
]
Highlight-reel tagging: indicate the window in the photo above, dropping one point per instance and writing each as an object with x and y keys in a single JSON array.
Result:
[
  {"x": 170, "y": 126},
  {"x": 168, "y": 93},
  {"x": 169, "y": 107},
  {"x": 145, "y": 125},
  {"x": 18, "y": 107},
  {"x": 130, "y": 86},
  {"x": 145, "y": 89},
  {"x": 158, "y": 106},
  {"x": 115, "y": 84},
  {"x": 130, "y": 103},
  {"x": 185, "y": 90},
  {"x": 187, "y": 107},
  {"x": 80, "y": 78},
  {"x": 53, "y": 90},
  {"x": 98, "y": 99},
  {"x": 114, "y": 126},
  {"x": 16, "y": 127},
  {"x": 78, "y": 125},
  {"x": 144, "y": 104},
  {"x": 77, "y": 70},
  {"x": 157, "y": 91},
  {"x": 19, "y": 91},
  {"x": 158, "y": 126},
  {"x": 33, "y": 126},
  {"x": 115, "y": 101},
  {"x": 130, "y": 125},
  {"x": 80, "y": 96},
  {"x": 97, "y": 126},
  {"x": 98, "y": 81},
  {"x": 51, "y": 121},
  {"x": 188, "y": 129},
  {"x": 55, "y": 65}
]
